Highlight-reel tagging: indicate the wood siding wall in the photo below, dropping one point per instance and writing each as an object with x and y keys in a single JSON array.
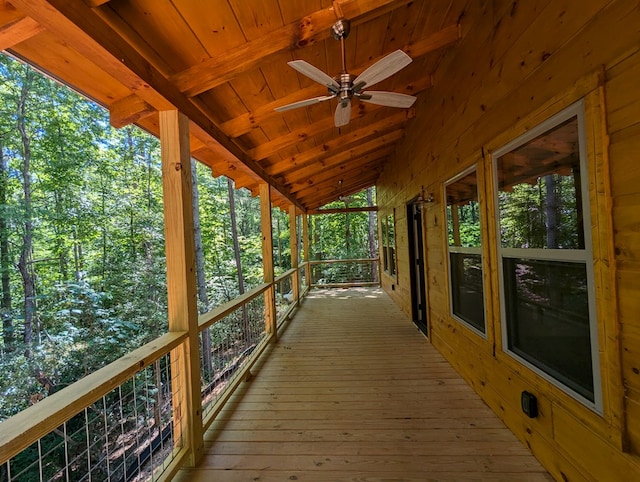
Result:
[{"x": 518, "y": 63}]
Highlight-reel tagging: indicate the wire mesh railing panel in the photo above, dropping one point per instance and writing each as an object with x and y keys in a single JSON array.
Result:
[
  {"x": 226, "y": 346},
  {"x": 302, "y": 276},
  {"x": 126, "y": 436},
  {"x": 344, "y": 272},
  {"x": 284, "y": 295}
]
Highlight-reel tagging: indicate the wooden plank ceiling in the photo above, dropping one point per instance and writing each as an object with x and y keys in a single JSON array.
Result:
[{"x": 224, "y": 64}]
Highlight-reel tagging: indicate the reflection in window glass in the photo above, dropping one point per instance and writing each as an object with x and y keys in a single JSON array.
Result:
[
  {"x": 546, "y": 290},
  {"x": 466, "y": 288},
  {"x": 547, "y": 308},
  {"x": 540, "y": 196},
  {"x": 389, "y": 244},
  {"x": 465, "y": 254}
]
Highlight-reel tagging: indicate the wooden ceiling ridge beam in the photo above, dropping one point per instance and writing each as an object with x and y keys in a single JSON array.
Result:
[
  {"x": 18, "y": 31},
  {"x": 305, "y": 31},
  {"x": 340, "y": 143},
  {"x": 443, "y": 38},
  {"x": 75, "y": 19},
  {"x": 375, "y": 149}
]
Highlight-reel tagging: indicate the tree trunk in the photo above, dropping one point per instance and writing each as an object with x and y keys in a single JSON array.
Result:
[
  {"x": 27, "y": 237},
  {"x": 373, "y": 252},
  {"x": 207, "y": 359},
  {"x": 236, "y": 253},
  {"x": 551, "y": 208},
  {"x": 8, "y": 337}
]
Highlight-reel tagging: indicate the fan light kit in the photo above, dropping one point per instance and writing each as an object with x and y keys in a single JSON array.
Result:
[{"x": 346, "y": 86}]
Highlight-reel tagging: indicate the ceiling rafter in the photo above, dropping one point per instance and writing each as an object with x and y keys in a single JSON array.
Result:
[
  {"x": 340, "y": 143},
  {"x": 383, "y": 145},
  {"x": 337, "y": 168},
  {"x": 18, "y": 31},
  {"x": 314, "y": 201},
  {"x": 356, "y": 168}
]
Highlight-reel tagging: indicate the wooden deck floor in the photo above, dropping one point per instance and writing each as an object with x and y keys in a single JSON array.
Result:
[{"x": 353, "y": 392}]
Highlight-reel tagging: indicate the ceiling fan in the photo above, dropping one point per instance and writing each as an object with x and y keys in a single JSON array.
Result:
[{"x": 346, "y": 86}]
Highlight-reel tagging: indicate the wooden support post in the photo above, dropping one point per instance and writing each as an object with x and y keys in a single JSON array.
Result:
[
  {"x": 305, "y": 245},
  {"x": 267, "y": 259},
  {"x": 181, "y": 282},
  {"x": 293, "y": 244}
]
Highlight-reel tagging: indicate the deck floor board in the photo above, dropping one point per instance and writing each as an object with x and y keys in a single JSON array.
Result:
[{"x": 353, "y": 392}]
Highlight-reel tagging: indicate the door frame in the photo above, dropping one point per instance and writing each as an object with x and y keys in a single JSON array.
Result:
[{"x": 417, "y": 265}]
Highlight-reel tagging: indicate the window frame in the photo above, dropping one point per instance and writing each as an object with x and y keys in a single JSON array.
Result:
[
  {"x": 389, "y": 249},
  {"x": 466, "y": 250},
  {"x": 580, "y": 256}
]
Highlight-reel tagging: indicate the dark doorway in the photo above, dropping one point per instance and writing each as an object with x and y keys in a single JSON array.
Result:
[{"x": 416, "y": 263}]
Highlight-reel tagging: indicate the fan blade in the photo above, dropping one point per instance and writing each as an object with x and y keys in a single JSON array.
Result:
[
  {"x": 314, "y": 73},
  {"x": 304, "y": 103},
  {"x": 389, "y": 99},
  {"x": 383, "y": 68},
  {"x": 343, "y": 114}
]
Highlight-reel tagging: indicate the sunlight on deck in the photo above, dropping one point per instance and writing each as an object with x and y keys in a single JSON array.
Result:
[{"x": 353, "y": 391}]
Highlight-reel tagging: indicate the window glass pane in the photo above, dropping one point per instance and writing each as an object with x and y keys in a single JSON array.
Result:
[
  {"x": 466, "y": 288},
  {"x": 548, "y": 319},
  {"x": 463, "y": 212},
  {"x": 465, "y": 258},
  {"x": 539, "y": 192}
]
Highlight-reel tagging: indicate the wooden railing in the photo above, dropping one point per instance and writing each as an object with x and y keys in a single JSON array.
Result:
[
  {"x": 83, "y": 428},
  {"x": 120, "y": 420},
  {"x": 333, "y": 273}
]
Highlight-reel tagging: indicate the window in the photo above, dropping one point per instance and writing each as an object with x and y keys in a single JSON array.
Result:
[
  {"x": 465, "y": 250},
  {"x": 545, "y": 254},
  {"x": 389, "y": 244}
]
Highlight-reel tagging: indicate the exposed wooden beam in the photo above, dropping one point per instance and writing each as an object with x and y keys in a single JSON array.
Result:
[
  {"x": 353, "y": 167},
  {"x": 360, "y": 110},
  {"x": 350, "y": 172},
  {"x": 367, "y": 153},
  {"x": 75, "y": 18},
  {"x": 303, "y": 32},
  {"x": 340, "y": 143},
  {"x": 129, "y": 110},
  {"x": 442, "y": 38},
  {"x": 95, "y": 3},
  {"x": 343, "y": 210},
  {"x": 18, "y": 31},
  {"x": 325, "y": 196},
  {"x": 47, "y": 15},
  {"x": 246, "y": 122}
]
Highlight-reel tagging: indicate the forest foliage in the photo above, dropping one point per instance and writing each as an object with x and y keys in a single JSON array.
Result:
[{"x": 82, "y": 237}]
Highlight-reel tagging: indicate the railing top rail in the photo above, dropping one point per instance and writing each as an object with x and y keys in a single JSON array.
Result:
[
  {"x": 330, "y": 261},
  {"x": 18, "y": 432},
  {"x": 209, "y": 318},
  {"x": 284, "y": 275}
]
